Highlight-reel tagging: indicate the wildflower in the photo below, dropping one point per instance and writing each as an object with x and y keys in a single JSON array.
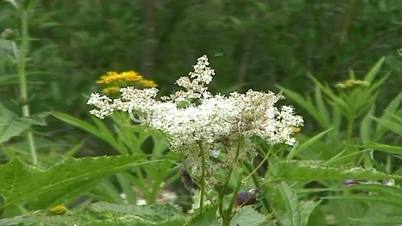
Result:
[
  {"x": 351, "y": 83},
  {"x": 147, "y": 83},
  {"x": 111, "y": 90},
  {"x": 128, "y": 76}
]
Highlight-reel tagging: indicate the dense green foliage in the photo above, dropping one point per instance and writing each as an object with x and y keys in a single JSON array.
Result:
[{"x": 337, "y": 62}]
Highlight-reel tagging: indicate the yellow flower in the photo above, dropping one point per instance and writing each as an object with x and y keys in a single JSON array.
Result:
[
  {"x": 147, "y": 83},
  {"x": 351, "y": 83},
  {"x": 112, "y": 76},
  {"x": 58, "y": 209},
  {"x": 111, "y": 90}
]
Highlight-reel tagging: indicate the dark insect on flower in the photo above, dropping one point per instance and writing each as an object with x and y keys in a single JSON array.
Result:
[
  {"x": 247, "y": 197},
  {"x": 187, "y": 180}
]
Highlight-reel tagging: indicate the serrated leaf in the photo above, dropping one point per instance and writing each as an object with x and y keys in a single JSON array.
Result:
[
  {"x": 314, "y": 170},
  {"x": 21, "y": 182}
]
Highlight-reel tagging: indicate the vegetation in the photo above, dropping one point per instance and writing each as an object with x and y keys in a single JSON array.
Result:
[{"x": 200, "y": 156}]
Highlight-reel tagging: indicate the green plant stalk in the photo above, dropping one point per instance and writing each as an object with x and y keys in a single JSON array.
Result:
[
  {"x": 225, "y": 218},
  {"x": 202, "y": 177},
  {"x": 350, "y": 127},
  {"x": 21, "y": 70},
  {"x": 258, "y": 185}
]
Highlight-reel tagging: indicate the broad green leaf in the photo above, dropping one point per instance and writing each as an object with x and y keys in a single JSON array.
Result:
[
  {"x": 247, "y": 216},
  {"x": 12, "y": 125},
  {"x": 206, "y": 218},
  {"x": 292, "y": 216},
  {"x": 315, "y": 170},
  {"x": 306, "y": 208},
  {"x": 21, "y": 182}
]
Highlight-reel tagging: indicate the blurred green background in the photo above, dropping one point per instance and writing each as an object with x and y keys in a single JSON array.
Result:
[{"x": 251, "y": 44}]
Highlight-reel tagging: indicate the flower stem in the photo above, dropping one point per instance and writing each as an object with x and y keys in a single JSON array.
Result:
[
  {"x": 21, "y": 70},
  {"x": 263, "y": 199},
  {"x": 226, "y": 216},
  {"x": 202, "y": 177}
]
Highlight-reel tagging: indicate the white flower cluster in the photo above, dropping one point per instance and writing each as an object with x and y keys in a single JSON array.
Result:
[
  {"x": 193, "y": 117},
  {"x": 204, "y": 118}
]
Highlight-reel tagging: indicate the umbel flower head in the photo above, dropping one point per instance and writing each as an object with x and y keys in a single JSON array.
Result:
[{"x": 193, "y": 116}]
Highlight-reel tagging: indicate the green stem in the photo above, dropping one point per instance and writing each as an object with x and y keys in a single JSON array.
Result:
[
  {"x": 351, "y": 120},
  {"x": 227, "y": 217},
  {"x": 202, "y": 177},
  {"x": 257, "y": 184},
  {"x": 21, "y": 70}
]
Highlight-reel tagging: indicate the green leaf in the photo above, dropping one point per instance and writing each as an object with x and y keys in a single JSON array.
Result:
[
  {"x": 292, "y": 216},
  {"x": 306, "y": 208},
  {"x": 76, "y": 122},
  {"x": 306, "y": 104},
  {"x": 18, "y": 220},
  {"x": 315, "y": 170},
  {"x": 370, "y": 198},
  {"x": 296, "y": 150},
  {"x": 374, "y": 71},
  {"x": 390, "y": 125},
  {"x": 100, "y": 130},
  {"x": 390, "y": 220},
  {"x": 247, "y": 216},
  {"x": 206, "y": 218},
  {"x": 385, "y": 148},
  {"x": 366, "y": 126},
  {"x": 11, "y": 124},
  {"x": 393, "y": 192},
  {"x": 8, "y": 49},
  {"x": 21, "y": 182},
  {"x": 105, "y": 214}
]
